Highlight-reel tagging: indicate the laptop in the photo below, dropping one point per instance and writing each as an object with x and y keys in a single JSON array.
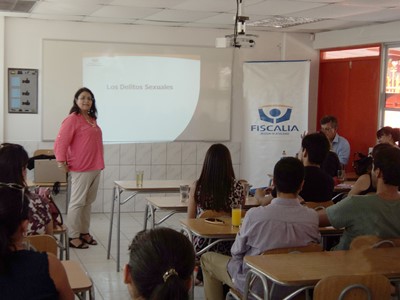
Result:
[{"x": 46, "y": 170}]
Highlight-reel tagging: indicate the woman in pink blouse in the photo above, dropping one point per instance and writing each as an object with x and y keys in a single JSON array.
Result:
[{"x": 79, "y": 151}]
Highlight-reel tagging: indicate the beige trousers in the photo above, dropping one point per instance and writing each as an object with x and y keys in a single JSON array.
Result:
[
  {"x": 84, "y": 187},
  {"x": 215, "y": 274}
]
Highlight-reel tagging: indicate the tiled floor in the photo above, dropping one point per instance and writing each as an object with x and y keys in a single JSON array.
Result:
[{"x": 108, "y": 282}]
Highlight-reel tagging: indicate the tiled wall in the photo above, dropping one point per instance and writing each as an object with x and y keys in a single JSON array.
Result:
[{"x": 176, "y": 160}]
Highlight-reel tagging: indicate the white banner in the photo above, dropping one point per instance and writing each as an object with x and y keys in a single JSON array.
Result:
[{"x": 275, "y": 115}]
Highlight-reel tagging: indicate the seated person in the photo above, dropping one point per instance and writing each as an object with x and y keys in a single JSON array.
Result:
[
  {"x": 161, "y": 264},
  {"x": 25, "y": 274},
  {"x": 318, "y": 185},
  {"x": 13, "y": 163},
  {"x": 283, "y": 223},
  {"x": 366, "y": 182},
  {"x": 375, "y": 214},
  {"x": 216, "y": 189},
  {"x": 388, "y": 135},
  {"x": 331, "y": 164}
]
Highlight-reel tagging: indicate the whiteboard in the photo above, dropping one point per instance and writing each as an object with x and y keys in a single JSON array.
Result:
[{"x": 65, "y": 70}]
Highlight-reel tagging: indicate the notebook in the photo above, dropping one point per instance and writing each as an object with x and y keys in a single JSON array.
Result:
[{"x": 46, "y": 170}]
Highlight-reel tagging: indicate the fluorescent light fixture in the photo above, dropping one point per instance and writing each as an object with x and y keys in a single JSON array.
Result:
[{"x": 283, "y": 22}]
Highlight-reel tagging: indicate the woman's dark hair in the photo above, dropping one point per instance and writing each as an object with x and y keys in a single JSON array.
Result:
[
  {"x": 13, "y": 160},
  {"x": 161, "y": 262},
  {"x": 75, "y": 108},
  {"x": 387, "y": 130},
  {"x": 216, "y": 178},
  {"x": 363, "y": 164},
  {"x": 12, "y": 212}
]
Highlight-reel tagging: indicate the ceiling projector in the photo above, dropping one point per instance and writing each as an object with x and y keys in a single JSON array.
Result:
[{"x": 242, "y": 41}]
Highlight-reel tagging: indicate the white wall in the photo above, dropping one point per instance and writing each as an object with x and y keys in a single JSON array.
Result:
[
  {"x": 383, "y": 33},
  {"x": 23, "y": 49},
  {"x": 23, "y": 45}
]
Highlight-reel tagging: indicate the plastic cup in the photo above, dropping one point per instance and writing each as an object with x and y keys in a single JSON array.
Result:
[
  {"x": 184, "y": 191},
  {"x": 247, "y": 191},
  {"x": 139, "y": 178},
  {"x": 341, "y": 175},
  {"x": 236, "y": 215}
]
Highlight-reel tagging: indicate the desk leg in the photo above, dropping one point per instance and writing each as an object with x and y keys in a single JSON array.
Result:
[
  {"x": 114, "y": 196},
  {"x": 118, "y": 230},
  {"x": 152, "y": 216},
  {"x": 146, "y": 216}
]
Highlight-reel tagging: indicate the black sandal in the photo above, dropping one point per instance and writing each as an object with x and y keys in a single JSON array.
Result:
[
  {"x": 81, "y": 244},
  {"x": 88, "y": 239}
]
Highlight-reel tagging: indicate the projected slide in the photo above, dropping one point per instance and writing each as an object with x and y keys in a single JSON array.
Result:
[{"x": 143, "y": 98}]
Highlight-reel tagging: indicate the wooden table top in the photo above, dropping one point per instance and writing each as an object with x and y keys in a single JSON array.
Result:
[
  {"x": 308, "y": 268},
  {"x": 174, "y": 203},
  {"x": 77, "y": 277},
  {"x": 152, "y": 185},
  {"x": 200, "y": 228}
]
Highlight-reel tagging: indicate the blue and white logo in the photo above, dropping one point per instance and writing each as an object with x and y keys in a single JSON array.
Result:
[
  {"x": 275, "y": 113},
  {"x": 277, "y": 119}
]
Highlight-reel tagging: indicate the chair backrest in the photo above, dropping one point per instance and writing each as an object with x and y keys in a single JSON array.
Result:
[
  {"x": 352, "y": 287},
  {"x": 312, "y": 247},
  {"x": 373, "y": 241},
  {"x": 319, "y": 205},
  {"x": 43, "y": 243},
  {"x": 43, "y": 152},
  {"x": 339, "y": 197}
]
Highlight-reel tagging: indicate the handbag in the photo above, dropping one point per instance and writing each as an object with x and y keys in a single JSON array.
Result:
[{"x": 45, "y": 194}]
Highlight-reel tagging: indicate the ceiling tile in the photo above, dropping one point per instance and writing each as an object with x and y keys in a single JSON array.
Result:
[
  {"x": 179, "y": 15},
  {"x": 65, "y": 8},
  {"x": 148, "y": 3},
  {"x": 111, "y": 11},
  {"x": 333, "y": 11},
  {"x": 280, "y": 7}
]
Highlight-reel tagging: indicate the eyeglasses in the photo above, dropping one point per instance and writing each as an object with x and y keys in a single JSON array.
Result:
[
  {"x": 17, "y": 187},
  {"x": 326, "y": 129}
]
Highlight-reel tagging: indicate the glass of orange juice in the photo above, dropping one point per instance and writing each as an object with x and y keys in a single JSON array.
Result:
[{"x": 236, "y": 214}]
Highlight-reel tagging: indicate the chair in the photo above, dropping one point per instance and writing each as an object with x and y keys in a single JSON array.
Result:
[
  {"x": 50, "y": 152},
  {"x": 62, "y": 231},
  {"x": 353, "y": 287},
  {"x": 339, "y": 197},
  {"x": 79, "y": 280},
  {"x": 373, "y": 241},
  {"x": 252, "y": 274},
  {"x": 43, "y": 243}
]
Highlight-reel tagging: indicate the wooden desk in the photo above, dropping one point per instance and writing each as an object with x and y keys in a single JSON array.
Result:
[
  {"x": 174, "y": 205},
  {"x": 149, "y": 187},
  {"x": 79, "y": 281},
  {"x": 343, "y": 187},
  {"x": 306, "y": 269}
]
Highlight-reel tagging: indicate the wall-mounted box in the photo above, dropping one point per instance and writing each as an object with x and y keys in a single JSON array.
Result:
[{"x": 23, "y": 91}]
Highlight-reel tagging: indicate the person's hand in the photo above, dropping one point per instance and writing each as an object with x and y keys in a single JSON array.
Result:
[{"x": 62, "y": 165}]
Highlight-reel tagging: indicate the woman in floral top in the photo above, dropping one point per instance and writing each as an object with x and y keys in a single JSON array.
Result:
[
  {"x": 216, "y": 189},
  {"x": 13, "y": 162}
]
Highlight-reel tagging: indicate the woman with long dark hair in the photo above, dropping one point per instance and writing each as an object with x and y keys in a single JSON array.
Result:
[
  {"x": 13, "y": 162},
  {"x": 79, "y": 151},
  {"x": 161, "y": 264},
  {"x": 25, "y": 274},
  {"x": 216, "y": 189}
]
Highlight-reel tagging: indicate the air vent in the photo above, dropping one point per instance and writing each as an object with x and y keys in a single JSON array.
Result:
[{"x": 17, "y": 5}]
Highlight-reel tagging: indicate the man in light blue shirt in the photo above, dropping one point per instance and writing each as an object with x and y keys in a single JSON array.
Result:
[
  {"x": 283, "y": 223},
  {"x": 340, "y": 145}
]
